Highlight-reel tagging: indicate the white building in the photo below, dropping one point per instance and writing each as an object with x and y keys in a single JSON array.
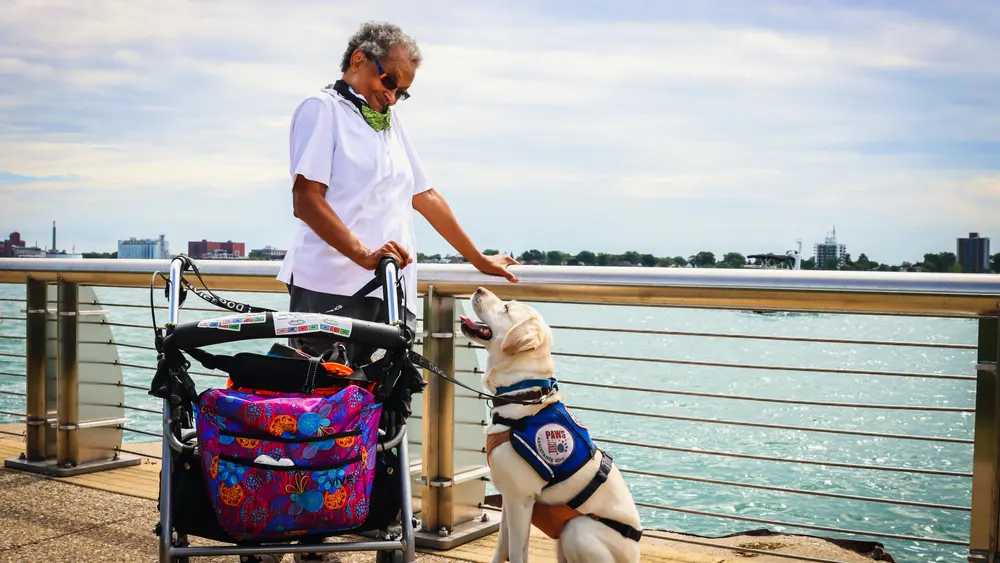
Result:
[
  {"x": 144, "y": 249},
  {"x": 829, "y": 250}
]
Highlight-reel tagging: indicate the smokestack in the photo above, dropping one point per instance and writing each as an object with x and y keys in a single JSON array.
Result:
[{"x": 53, "y": 236}]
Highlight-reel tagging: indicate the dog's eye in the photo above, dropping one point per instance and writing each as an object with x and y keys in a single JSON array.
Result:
[{"x": 506, "y": 308}]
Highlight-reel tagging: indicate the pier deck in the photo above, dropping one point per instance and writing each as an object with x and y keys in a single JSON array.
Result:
[{"x": 110, "y": 515}]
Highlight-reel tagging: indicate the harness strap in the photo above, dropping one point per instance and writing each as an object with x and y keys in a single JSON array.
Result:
[
  {"x": 599, "y": 479},
  {"x": 622, "y": 528}
]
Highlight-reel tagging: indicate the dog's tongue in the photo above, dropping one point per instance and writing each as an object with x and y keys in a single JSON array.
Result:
[{"x": 479, "y": 328}]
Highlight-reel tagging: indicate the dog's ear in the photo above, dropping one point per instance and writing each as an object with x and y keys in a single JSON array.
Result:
[{"x": 525, "y": 335}]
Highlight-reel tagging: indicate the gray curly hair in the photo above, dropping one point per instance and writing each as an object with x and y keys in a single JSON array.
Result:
[{"x": 375, "y": 39}]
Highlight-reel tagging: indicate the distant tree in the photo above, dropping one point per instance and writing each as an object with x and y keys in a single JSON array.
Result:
[
  {"x": 648, "y": 260},
  {"x": 632, "y": 257},
  {"x": 680, "y": 261},
  {"x": 665, "y": 262},
  {"x": 530, "y": 256},
  {"x": 808, "y": 264},
  {"x": 832, "y": 263},
  {"x": 733, "y": 260},
  {"x": 604, "y": 259},
  {"x": 995, "y": 260},
  {"x": 703, "y": 259},
  {"x": 939, "y": 262},
  {"x": 556, "y": 258},
  {"x": 587, "y": 258},
  {"x": 490, "y": 252}
]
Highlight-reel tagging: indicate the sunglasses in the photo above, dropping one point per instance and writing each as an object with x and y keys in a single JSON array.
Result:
[{"x": 389, "y": 83}]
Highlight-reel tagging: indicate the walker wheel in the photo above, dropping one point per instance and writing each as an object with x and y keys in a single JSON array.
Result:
[{"x": 389, "y": 557}]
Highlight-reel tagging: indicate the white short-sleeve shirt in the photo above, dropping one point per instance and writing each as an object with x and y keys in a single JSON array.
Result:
[{"x": 371, "y": 176}]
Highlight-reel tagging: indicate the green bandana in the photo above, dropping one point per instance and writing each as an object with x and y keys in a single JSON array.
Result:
[{"x": 377, "y": 121}]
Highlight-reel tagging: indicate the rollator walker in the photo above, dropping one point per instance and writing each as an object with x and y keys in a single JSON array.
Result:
[{"x": 298, "y": 446}]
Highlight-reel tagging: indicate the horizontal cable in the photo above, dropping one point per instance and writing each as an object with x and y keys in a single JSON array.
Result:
[
  {"x": 838, "y": 371},
  {"x": 151, "y": 368},
  {"x": 6, "y": 355},
  {"x": 788, "y": 460},
  {"x": 13, "y": 393},
  {"x": 768, "y": 399},
  {"x": 157, "y": 307},
  {"x": 753, "y": 366},
  {"x": 767, "y": 337},
  {"x": 125, "y": 325},
  {"x": 776, "y": 426},
  {"x": 16, "y": 434},
  {"x": 115, "y": 384},
  {"x": 740, "y": 550},
  {"x": 12, "y": 374},
  {"x": 131, "y": 408},
  {"x": 123, "y": 344},
  {"x": 796, "y": 491},
  {"x": 11, "y": 337},
  {"x": 14, "y": 299},
  {"x": 8, "y": 413},
  {"x": 4, "y": 318},
  {"x": 805, "y": 526},
  {"x": 140, "y": 454},
  {"x": 153, "y": 434}
]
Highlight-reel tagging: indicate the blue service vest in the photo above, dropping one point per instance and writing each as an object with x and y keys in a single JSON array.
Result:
[{"x": 553, "y": 443}]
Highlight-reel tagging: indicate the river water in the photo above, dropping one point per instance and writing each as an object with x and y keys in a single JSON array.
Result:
[{"x": 741, "y": 381}]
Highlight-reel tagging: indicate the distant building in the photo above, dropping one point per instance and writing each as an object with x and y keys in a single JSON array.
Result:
[
  {"x": 829, "y": 250},
  {"x": 144, "y": 249},
  {"x": 11, "y": 244},
  {"x": 974, "y": 254},
  {"x": 228, "y": 250},
  {"x": 268, "y": 253}
]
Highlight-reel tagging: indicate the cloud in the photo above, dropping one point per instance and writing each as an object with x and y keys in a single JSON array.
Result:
[{"x": 696, "y": 124}]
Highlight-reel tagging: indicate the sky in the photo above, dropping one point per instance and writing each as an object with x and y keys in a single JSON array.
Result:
[{"x": 665, "y": 127}]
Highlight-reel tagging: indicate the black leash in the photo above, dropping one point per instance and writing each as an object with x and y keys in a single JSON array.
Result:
[{"x": 423, "y": 362}]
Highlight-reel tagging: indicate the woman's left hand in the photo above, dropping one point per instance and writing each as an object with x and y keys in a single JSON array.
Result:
[{"x": 496, "y": 265}]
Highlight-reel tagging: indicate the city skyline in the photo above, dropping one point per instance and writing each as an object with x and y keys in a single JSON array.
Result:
[{"x": 808, "y": 249}]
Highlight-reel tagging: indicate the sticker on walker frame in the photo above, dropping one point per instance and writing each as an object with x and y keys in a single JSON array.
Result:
[
  {"x": 554, "y": 443},
  {"x": 232, "y": 323},
  {"x": 298, "y": 323},
  {"x": 341, "y": 326}
]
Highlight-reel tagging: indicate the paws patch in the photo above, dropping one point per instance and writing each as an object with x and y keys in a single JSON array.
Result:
[{"x": 554, "y": 443}]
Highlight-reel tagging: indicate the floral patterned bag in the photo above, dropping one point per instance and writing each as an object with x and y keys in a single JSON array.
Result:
[{"x": 279, "y": 466}]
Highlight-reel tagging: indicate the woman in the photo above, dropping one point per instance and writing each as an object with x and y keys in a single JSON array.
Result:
[{"x": 356, "y": 182}]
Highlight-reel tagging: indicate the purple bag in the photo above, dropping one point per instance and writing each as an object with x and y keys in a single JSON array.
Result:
[{"x": 285, "y": 465}]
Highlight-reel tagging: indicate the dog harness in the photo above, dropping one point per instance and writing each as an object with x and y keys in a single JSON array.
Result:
[{"x": 556, "y": 446}]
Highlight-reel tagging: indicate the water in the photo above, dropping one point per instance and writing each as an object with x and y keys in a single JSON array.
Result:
[{"x": 720, "y": 499}]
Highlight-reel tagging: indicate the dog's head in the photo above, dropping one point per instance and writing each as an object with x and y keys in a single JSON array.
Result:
[{"x": 509, "y": 330}]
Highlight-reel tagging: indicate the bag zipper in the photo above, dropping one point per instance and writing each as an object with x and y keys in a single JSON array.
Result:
[
  {"x": 303, "y": 440},
  {"x": 306, "y": 468}
]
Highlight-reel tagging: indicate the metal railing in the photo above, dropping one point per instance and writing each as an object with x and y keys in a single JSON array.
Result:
[{"x": 704, "y": 442}]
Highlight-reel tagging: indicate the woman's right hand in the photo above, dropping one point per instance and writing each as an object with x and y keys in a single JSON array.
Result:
[{"x": 371, "y": 258}]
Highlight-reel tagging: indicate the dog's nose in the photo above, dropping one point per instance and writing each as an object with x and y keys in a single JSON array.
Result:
[{"x": 480, "y": 291}]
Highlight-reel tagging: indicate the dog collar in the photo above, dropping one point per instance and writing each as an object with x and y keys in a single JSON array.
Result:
[{"x": 545, "y": 384}]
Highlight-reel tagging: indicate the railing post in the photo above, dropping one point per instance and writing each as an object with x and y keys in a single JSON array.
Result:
[
  {"x": 68, "y": 378},
  {"x": 451, "y": 494},
  {"x": 74, "y": 382},
  {"x": 36, "y": 333},
  {"x": 985, "y": 524},
  {"x": 439, "y": 415}
]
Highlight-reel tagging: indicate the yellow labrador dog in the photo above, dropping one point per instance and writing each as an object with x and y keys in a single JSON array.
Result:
[{"x": 541, "y": 458}]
